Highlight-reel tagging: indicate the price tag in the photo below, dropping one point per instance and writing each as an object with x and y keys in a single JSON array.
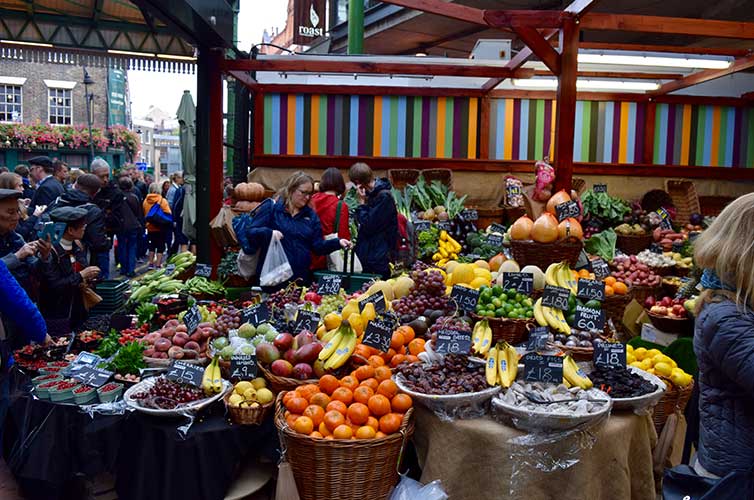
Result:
[
  {"x": 521, "y": 282},
  {"x": 567, "y": 209},
  {"x": 86, "y": 359},
  {"x": 665, "y": 221},
  {"x": 555, "y": 296},
  {"x": 243, "y": 366},
  {"x": 469, "y": 214},
  {"x": 203, "y": 270},
  {"x": 169, "y": 269},
  {"x": 494, "y": 240},
  {"x": 465, "y": 297},
  {"x": 610, "y": 354},
  {"x": 378, "y": 335},
  {"x": 444, "y": 225},
  {"x": 256, "y": 314},
  {"x": 600, "y": 188},
  {"x": 192, "y": 318},
  {"x": 422, "y": 225},
  {"x": 306, "y": 320},
  {"x": 329, "y": 284},
  {"x": 589, "y": 319},
  {"x": 497, "y": 228},
  {"x": 91, "y": 375},
  {"x": 538, "y": 338},
  {"x": 184, "y": 373},
  {"x": 591, "y": 289},
  {"x": 474, "y": 256},
  {"x": 453, "y": 342},
  {"x": 512, "y": 190},
  {"x": 378, "y": 299},
  {"x": 600, "y": 268},
  {"x": 119, "y": 322},
  {"x": 541, "y": 368}
]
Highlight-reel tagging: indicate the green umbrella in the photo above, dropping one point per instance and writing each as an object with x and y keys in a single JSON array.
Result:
[{"x": 187, "y": 121}]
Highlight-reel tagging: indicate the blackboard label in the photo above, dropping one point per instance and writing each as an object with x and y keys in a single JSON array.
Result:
[
  {"x": 538, "y": 338},
  {"x": 243, "y": 366},
  {"x": 521, "y": 282},
  {"x": 494, "y": 240},
  {"x": 378, "y": 299},
  {"x": 541, "y": 368},
  {"x": 185, "y": 373},
  {"x": 591, "y": 289},
  {"x": 329, "y": 284},
  {"x": 566, "y": 210},
  {"x": 444, "y": 225},
  {"x": 555, "y": 296},
  {"x": 306, "y": 320},
  {"x": 203, "y": 270},
  {"x": 378, "y": 335},
  {"x": 192, "y": 318},
  {"x": 256, "y": 314},
  {"x": 610, "y": 354},
  {"x": 600, "y": 188},
  {"x": 465, "y": 297},
  {"x": 469, "y": 214},
  {"x": 496, "y": 228},
  {"x": 589, "y": 319},
  {"x": 583, "y": 261},
  {"x": 453, "y": 342},
  {"x": 91, "y": 375},
  {"x": 665, "y": 221},
  {"x": 422, "y": 225},
  {"x": 600, "y": 268}
]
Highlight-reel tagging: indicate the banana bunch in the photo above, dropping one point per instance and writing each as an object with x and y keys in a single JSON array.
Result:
[
  {"x": 560, "y": 275},
  {"x": 482, "y": 337},
  {"x": 501, "y": 366},
  {"x": 339, "y": 345},
  {"x": 448, "y": 249},
  {"x": 212, "y": 380},
  {"x": 573, "y": 375},
  {"x": 552, "y": 317}
]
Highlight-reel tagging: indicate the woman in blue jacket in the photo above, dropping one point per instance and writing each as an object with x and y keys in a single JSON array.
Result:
[
  {"x": 724, "y": 341},
  {"x": 294, "y": 223}
]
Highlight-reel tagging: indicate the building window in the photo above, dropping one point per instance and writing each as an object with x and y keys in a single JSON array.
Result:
[
  {"x": 11, "y": 103},
  {"x": 147, "y": 137},
  {"x": 60, "y": 106}
]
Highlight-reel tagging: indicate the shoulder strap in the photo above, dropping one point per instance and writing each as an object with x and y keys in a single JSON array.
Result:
[{"x": 337, "y": 217}]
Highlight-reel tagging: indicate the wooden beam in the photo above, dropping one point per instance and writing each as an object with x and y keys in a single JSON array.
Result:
[
  {"x": 566, "y": 109},
  {"x": 537, "y": 43},
  {"x": 748, "y": 95},
  {"x": 245, "y": 78},
  {"x": 623, "y": 96},
  {"x": 617, "y": 74},
  {"x": 445, "y": 9},
  {"x": 706, "y": 75},
  {"x": 673, "y": 49},
  {"x": 368, "y": 90},
  {"x": 504, "y": 19},
  {"x": 445, "y": 39},
  {"x": 313, "y": 64},
  {"x": 668, "y": 25}
]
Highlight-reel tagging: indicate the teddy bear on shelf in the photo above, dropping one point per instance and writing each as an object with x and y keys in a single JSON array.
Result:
[{"x": 545, "y": 178}]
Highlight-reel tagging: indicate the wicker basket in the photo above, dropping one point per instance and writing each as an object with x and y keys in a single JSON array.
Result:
[
  {"x": 246, "y": 416},
  {"x": 577, "y": 353},
  {"x": 529, "y": 252},
  {"x": 336, "y": 469},
  {"x": 278, "y": 384},
  {"x": 401, "y": 177},
  {"x": 632, "y": 244},
  {"x": 512, "y": 331},
  {"x": 685, "y": 199},
  {"x": 488, "y": 215},
  {"x": 444, "y": 175},
  {"x": 615, "y": 305},
  {"x": 681, "y": 326},
  {"x": 675, "y": 398},
  {"x": 662, "y": 270},
  {"x": 642, "y": 292},
  {"x": 578, "y": 185}
]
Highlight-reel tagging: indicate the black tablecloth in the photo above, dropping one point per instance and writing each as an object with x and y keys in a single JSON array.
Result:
[{"x": 48, "y": 445}]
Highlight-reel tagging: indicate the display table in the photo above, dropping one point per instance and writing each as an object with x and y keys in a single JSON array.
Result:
[{"x": 475, "y": 459}]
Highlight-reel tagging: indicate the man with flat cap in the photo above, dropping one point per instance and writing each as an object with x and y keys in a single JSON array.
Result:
[
  {"x": 66, "y": 271},
  {"x": 49, "y": 187}
]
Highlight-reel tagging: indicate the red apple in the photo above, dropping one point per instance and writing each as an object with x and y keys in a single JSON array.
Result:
[
  {"x": 283, "y": 341},
  {"x": 302, "y": 371}
]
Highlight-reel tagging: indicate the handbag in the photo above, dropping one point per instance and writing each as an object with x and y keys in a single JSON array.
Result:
[
  {"x": 89, "y": 297},
  {"x": 335, "y": 260},
  {"x": 158, "y": 216},
  {"x": 683, "y": 483},
  {"x": 247, "y": 263}
]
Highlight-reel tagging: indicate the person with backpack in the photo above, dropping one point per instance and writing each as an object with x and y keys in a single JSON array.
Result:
[
  {"x": 111, "y": 201},
  {"x": 133, "y": 226},
  {"x": 159, "y": 222}
]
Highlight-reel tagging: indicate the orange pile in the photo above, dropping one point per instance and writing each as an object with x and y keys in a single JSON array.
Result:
[
  {"x": 362, "y": 405},
  {"x": 404, "y": 346},
  {"x": 612, "y": 286}
]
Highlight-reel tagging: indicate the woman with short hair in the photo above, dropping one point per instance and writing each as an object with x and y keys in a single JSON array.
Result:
[{"x": 331, "y": 209}]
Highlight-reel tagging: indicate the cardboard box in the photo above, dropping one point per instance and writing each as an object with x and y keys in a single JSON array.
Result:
[{"x": 651, "y": 334}]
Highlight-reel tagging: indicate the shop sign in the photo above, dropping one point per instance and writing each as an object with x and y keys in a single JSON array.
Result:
[{"x": 308, "y": 21}]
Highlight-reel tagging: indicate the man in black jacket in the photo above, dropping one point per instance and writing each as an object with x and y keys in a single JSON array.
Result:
[
  {"x": 49, "y": 188},
  {"x": 112, "y": 202}
]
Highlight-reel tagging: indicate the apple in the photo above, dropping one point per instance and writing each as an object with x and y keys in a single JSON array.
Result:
[
  {"x": 283, "y": 341},
  {"x": 649, "y": 302},
  {"x": 290, "y": 356},
  {"x": 281, "y": 368},
  {"x": 666, "y": 302},
  {"x": 303, "y": 338},
  {"x": 678, "y": 310}
]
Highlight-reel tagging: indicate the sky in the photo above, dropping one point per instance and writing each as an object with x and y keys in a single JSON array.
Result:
[{"x": 164, "y": 90}]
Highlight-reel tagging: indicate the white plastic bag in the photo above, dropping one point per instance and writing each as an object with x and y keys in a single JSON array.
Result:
[
  {"x": 247, "y": 264},
  {"x": 276, "y": 268},
  {"x": 408, "y": 489}
]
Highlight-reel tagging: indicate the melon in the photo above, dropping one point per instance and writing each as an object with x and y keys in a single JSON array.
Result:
[
  {"x": 382, "y": 286},
  {"x": 483, "y": 264},
  {"x": 477, "y": 283},
  {"x": 463, "y": 273},
  {"x": 539, "y": 276},
  {"x": 450, "y": 266},
  {"x": 402, "y": 286},
  {"x": 509, "y": 266},
  {"x": 482, "y": 273}
]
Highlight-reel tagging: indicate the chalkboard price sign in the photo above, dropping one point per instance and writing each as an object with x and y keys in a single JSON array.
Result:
[
  {"x": 465, "y": 297},
  {"x": 378, "y": 299},
  {"x": 91, "y": 375},
  {"x": 541, "y": 368},
  {"x": 192, "y": 318},
  {"x": 494, "y": 240},
  {"x": 256, "y": 314},
  {"x": 444, "y": 225},
  {"x": 589, "y": 319},
  {"x": 306, "y": 320},
  {"x": 329, "y": 284},
  {"x": 521, "y": 282},
  {"x": 538, "y": 338},
  {"x": 566, "y": 210},
  {"x": 591, "y": 289},
  {"x": 600, "y": 268},
  {"x": 86, "y": 358},
  {"x": 203, "y": 270},
  {"x": 453, "y": 342},
  {"x": 610, "y": 354},
  {"x": 422, "y": 225},
  {"x": 497, "y": 228},
  {"x": 600, "y": 188},
  {"x": 378, "y": 335},
  {"x": 185, "y": 373},
  {"x": 469, "y": 214},
  {"x": 555, "y": 296},
  {"x": 243, "y": 367}
]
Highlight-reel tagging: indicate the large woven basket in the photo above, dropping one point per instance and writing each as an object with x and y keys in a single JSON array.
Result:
[
  {"x": 246, "y": 416},
  {"x": 685, "y": 199},
  {"x": 615, "y": 305},
  {"x": 401, "y": 177},
  {"x": 488, "y": 215},
  {"x": 512, "y": 331},
  {"x": 681, "y": 326},
  {"x": 673, "y": 398},
  {"x": 527, "y": 252},
  {"x": 577, "y": 353},
  {"x": 333, "y": 469},
  {"x": 278, "y": 384},
  {"x": 444, "y": 175},
  {"x": 642, "y": 292},
  {"x": 632, "y": 244}
]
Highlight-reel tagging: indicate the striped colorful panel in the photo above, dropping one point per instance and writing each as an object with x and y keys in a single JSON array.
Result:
[
  {"x": 383, "y": 126},
  {"x": 704, "y": 135}
]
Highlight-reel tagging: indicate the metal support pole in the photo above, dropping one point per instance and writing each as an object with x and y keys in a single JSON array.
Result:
[
  {"x": 88, "y": 97},
  {"x": 356, "y": 27}
]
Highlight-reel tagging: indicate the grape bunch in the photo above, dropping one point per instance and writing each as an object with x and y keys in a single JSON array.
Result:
[
  {"x": 428, "y": 293},
  {"x": 290, "y": 295},
  {"x": 229, "y": 320},
  {"x": 166, "y": 394},
  {"x": 331, "y": 303}
]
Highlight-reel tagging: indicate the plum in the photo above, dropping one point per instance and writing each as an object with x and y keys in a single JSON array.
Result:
[
  {"x": 302, "y": 371},
  {"x": 180, "y": 338},
  {"x": 175, "y": 352},
  {"x": 162, "y": 345}
]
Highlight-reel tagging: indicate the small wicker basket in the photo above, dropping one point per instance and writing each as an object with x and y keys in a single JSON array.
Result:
[
  {"x": 401, "y": 177},
  {"x": 681, "y": 326},
  {"x": 527, "y": 252},
  {"x": 615, "y": 305},
  {"x": 673, "y": 398},
  {"x": 512, "y": 331},
  {"x": 577, "y": 353},
  {"x": 278, "y": 384},
  {"x": 685, "y": 199},
  {"x": 246, "y": 416}
]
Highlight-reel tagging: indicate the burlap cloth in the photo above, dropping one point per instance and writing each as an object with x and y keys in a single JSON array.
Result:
[{"x": 474, "y": 459}]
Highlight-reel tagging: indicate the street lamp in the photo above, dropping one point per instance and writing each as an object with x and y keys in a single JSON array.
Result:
[{"x": 88, "y": 81}]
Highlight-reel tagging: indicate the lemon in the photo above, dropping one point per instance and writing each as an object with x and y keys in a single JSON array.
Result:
[
  {"x": 640, "y": 353},
  {"x": 629, "y": 349},
  {"x": 243, "y": 386},
  {"x": 651, "y": 371},
  {"x": 663, "y": 369},
  {"x": 653, "y": 352},
  {"x": 646, "y": 364},
  {"x": 250, "y": 394},
  {"x": 677, "y": 371},
  {"x": 630, "y": 358},
  {"x": 264, "y": 396},
  {"x": 259, "y": 383},
  {"x": 636, "y": 364},
  {"x": 235, "y": 399},
  {"x": 659, "y": 358}
]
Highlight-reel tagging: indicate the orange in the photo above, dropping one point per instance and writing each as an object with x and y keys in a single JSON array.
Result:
[
  {"x": 412, "y": 359},
  {"x": 583, "y": 273},
  {"x": 333, "y": 419},
  {"x": 609, "y": 292},
  {"x": 373, "y": 423},
  {"x": 387, "y": 388},
  {"x": 349, "y": 382},
  {"x": 358, "y": 413},
  {"x": 328, "y": 384},
  {"x": 401, "y": 350},
  {"x": 317, "y": 413},
  {"x": 620, "y": 288},
  {"x": 379, "y": 405},
  {"x": 365, "y": 432},
  {"x": 382, "y": 373},
  {"x": 407, "y": 332},
  {"x": 316, "y": 434},
  {"x": 291, "y": 418},
  {"x": 361, "y": 352},
  {"x": 364, "y": 372},
  {"x": 329, "y": 437},
  {"x": 303, "y": 425},
  {"x": 397, "y": 340},
  {"x": 376, "y": 360},
  {"x": 379, "y": 435},
  {"x": 307, "y": 391},
  {"x": 342, "y": 432},
  {"x": 320, "y": 399},
  {"x": 390, "y": 423},
  {"x": 297, "y": 405},
  {"x": 336, "y": 405},
  {"x": 401, "y": 403},
  {"x": 610, "y": 281},
  {"x": 387, "y": 356},
  {"x": 324, "y": 430},
  {"x": 362, "y": 394},
  {"x": 343, "y": 394},
  {"x": 397, "y": 359},
  {"x": 416, "y": 346},
  {"x": 287, "y": 397},
  {"x": 372, "y": 383}
]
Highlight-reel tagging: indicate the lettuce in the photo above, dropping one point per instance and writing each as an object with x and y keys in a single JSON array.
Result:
[{"x": 602, "y": 244}]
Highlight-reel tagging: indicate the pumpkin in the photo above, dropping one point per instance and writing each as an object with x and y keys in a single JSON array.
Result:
[
  {"x": 249, "y": 191},
  {"x": 246, "y": 206}
]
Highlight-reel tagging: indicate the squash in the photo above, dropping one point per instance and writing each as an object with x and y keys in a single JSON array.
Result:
[
  {"x": 245, "y": 206},
  {"x": 249, "y": 191}
]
